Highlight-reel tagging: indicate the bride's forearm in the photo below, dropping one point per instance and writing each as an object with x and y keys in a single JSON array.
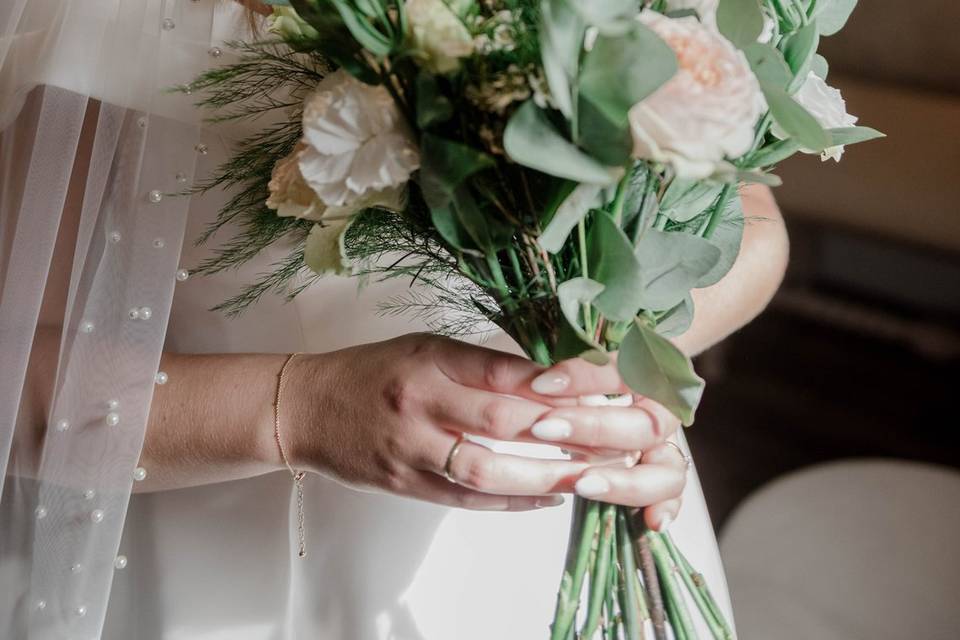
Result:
[
  {"x": 747, "y": 289},
  {"x": 212, "y": 421}
]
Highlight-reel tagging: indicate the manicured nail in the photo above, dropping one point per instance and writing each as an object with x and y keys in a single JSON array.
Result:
[
  {"x": 597, "y": 400},
  {"x": 550, "y": 383},
  {"x": 552, "y": 429},
  {"x": 550, "y": 501},
  {"x": 623, "y": 400},
  {"x": 592, "y": 486},
  {"x": 665, "y": 523}
]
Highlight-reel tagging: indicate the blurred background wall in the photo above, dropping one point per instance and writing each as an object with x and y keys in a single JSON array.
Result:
[
  {"x": 859, "y": 354},
  {"x": 857, "y": 357}
]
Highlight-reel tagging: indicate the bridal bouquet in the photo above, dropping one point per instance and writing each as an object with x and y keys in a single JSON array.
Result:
[{"x": 565, "y": 169}]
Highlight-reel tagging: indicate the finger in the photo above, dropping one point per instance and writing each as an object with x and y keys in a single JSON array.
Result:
[
  {"x": 481, "y": 368},
  {"x": 484, "y": 413},
  {"x": 641, "y": 486},
  {"x": 481, "y": 469},
  {"x": 432, "y": 488},
  {"x": 611, "y": 428},
  {"x": 659, "y": 516},
  {"x": 577, "y": 377},
  {"x": 665, "y": 454}
]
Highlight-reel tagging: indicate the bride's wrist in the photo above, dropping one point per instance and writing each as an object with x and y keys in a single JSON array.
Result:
[{"x": 298, "y": 383}]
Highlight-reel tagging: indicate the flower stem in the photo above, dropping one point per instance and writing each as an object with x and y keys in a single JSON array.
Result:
[
  {"x": 680, "y": 620},
  {"x": 651, "y": 581},
  {"x": 582, "y": 533},
  {"x": 627, "y": 592},
  {"x": 700, "y": 591},
  {"x": 600, "y": 576}
]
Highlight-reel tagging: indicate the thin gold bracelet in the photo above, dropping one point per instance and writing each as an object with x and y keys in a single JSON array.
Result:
[{"x": 297, "y": 475}]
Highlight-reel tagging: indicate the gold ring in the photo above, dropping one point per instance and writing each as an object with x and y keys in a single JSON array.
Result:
[
  {"x": 687, "y": 459},
  {"x": 454, "y": 450}
]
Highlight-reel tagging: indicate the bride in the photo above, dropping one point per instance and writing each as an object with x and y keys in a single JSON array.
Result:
[{"x": 117, "y": 379}]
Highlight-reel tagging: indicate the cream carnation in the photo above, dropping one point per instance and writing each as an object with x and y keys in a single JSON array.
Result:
[
  {"x": 707, "y": 111},
  {"x": 828, "y": 107},
  {"x": 358, "y": 150},
  {"x": 290, "y": 195},
  {"x": 438, "y": 36}
]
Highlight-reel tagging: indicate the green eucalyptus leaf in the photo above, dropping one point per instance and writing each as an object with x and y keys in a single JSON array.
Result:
[
  {"x": 671, "y": 264},
  {"x": 832, "y": 15},
  {"x": 613, "y": 81},
  {"x": 798, "y": 52},
  {"x": 820, "y": 66},
  {"x": 853, "y": 135},
  {"x": 769, "y": 66},
  {"x": 796, "y": 121},
  {"x": 448, "y": 225},
  {"x": 653, "y": 367},
  {"x": 432, "y": 106},
  {"x": 610, "y": 17},
  {"x": 576, "y": 205},
  {"x": 572, "y": 295},
  {"x": 561, "y": 41},
  {"x": 488, "y": 232},
  {"x": 773, "y": 153},
  {"x": 531, "y": 140},
  {"x": 612, "y": 262},
  {"x": 741, "y": 21},
  {"x": 445, "y": 165},
  {"x": 727, "y": 236},
  {"x": 757, "y": 177},
  {"x": 607, "y": 141},
  {"x": 676, "y": 321},
  {"x": 686, "y": 199}
]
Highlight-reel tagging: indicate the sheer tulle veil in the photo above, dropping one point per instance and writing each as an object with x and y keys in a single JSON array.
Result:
[{"x": 93, "y": 149}]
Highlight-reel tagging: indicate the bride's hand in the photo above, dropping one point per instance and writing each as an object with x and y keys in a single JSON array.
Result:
[{"x": 386, "y": 416}]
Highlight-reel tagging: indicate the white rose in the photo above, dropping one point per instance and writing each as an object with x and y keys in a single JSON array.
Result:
[
  {"x": 438, "y": 36},
  {"x": 358, "y": 150},
  {"x": 705, "y": 113},
  {"x": 826, "y": 105}
]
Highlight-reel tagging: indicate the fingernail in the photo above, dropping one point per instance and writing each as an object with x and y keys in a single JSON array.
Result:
[
  {"x": 550, "y": 383},
  {"x": 597, "y": 400},
  {"x": 549, "y": 501},
  {"x": 552, "y": 429},
  {"x": 623, "y": 400},
  {"x": 592, "y": 486},
  {"x": 665, "y": 523}
]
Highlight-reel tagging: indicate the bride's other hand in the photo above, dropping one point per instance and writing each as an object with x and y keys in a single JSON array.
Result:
[
  {"x": 656, "y": 480},
  {"x": 387, "y": 415}
]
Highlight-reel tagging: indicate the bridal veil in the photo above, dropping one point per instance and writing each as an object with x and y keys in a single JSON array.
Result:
[{"x": 93, "y": 151}]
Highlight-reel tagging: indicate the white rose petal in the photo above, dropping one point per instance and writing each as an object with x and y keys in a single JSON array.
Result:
[
  {"x": 439, "y": 37},
  {"x": 828, "y": 107},
  {"x": 707, "y": 112},
  {"x": 356, "y": 143},
  {"x": 324, "y": 251}
]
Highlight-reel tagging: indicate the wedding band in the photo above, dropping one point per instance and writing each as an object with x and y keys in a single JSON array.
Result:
[
  {"x": 687, "y": 459},
  {"x": 454, "y": 450}
]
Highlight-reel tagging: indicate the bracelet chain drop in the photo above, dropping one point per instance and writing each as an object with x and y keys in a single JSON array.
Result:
[{"x": 297, "y": 475}]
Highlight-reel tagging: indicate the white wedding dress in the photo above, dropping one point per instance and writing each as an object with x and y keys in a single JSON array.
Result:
[{"x": 219, "y": 562}]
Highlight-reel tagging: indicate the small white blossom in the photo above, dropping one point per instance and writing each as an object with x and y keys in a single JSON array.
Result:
[
  {"x": 438, "y": 36},
  {"x": 828, "y": 107},
  {"x": 707, "y": 112},
  {"x": 358, "y": 150}
]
